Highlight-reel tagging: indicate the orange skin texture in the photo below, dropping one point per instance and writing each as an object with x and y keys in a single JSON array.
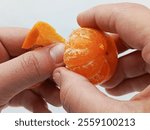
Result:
[
  {"x": 91, "y": 53},
  {"x": 42, "y": 34}
]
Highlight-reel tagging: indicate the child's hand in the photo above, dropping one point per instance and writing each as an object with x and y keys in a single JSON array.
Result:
[
  {"x": 130, "y": 22},
  {"x": 20, "y": 70}
]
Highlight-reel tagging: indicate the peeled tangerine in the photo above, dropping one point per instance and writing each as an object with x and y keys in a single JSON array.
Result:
[
  {"x": 88, "y": 52},
  {"x": 92, "y": 54}
]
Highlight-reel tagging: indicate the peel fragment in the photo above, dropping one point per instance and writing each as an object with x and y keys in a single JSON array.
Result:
[{"x": 42, "y": 34}]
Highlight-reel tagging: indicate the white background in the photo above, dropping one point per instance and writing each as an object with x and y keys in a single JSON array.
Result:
[{"x": 59, "y": 13}]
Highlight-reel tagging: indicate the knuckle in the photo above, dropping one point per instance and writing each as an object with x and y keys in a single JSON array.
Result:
[{"x": 30, "y": 65}]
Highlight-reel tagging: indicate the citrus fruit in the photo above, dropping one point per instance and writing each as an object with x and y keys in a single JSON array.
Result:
[
  {"x": 42, "y": 34},
  {"x": 91, "y": 53}
]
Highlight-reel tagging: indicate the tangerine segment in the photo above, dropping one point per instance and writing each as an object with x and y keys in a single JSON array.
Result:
[
  {"x": 102, "y": 75},
  {"x": 91, "y": 53},
  {"x": 42, "y": 34},
  {"x": 91, "y": 66},
  {"x": 86, "y": 44}
]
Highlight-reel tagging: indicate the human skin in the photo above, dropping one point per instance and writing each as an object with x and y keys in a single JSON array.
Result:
[
  {"x": 20, "y": 87},
  {"x": 130, "y": 26},
  {"x": 25, "y": 76}
]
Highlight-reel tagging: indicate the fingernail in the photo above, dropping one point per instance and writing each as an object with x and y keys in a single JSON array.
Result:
[
  {"x": 57, "y": 53},
  {"x": 56, "y": 77}
]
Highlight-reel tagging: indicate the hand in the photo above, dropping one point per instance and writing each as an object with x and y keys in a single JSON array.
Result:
[
  {"x": 24, "y": 76},
  {"x": 130, "y": 23}
]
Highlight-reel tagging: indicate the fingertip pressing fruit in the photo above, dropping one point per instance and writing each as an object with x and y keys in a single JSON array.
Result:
[{"x": 88, "y": 52}]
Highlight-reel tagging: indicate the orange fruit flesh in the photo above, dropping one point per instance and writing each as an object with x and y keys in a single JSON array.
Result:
[
  {"x": 88, "y": 52},
  {"x": 92, "y": 54},
  {"x": 42, "y": 34}
]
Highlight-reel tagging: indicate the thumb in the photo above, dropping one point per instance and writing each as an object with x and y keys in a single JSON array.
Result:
[
  {"x": 77, "y": 94},
  {"x": 28, "y": 69}
]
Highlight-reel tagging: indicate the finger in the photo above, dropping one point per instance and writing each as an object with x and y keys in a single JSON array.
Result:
[
  {"x": 12, "y": 39},
  {"x": 79, "y": 95},
  {"x": 146, "y": 55},
  {"x": 145, "y": 94},
  {"x": 144, "y": 99},
  {"x": 129, "y": 66},
  {"x": 121, "y": 45},
  {"x": 128, "y": 20},
  {"x": 130, "y": 85},
  {"x": 49, "y": 92},
  {"x": 4, "y": 56},
  {"x": 3, "y": 107},
  {"x": 30, "y": 101},
  {"x": 28, "y": 69}
]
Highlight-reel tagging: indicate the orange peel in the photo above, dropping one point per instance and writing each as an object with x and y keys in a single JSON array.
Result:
[{"x": 42, "y": 34}]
